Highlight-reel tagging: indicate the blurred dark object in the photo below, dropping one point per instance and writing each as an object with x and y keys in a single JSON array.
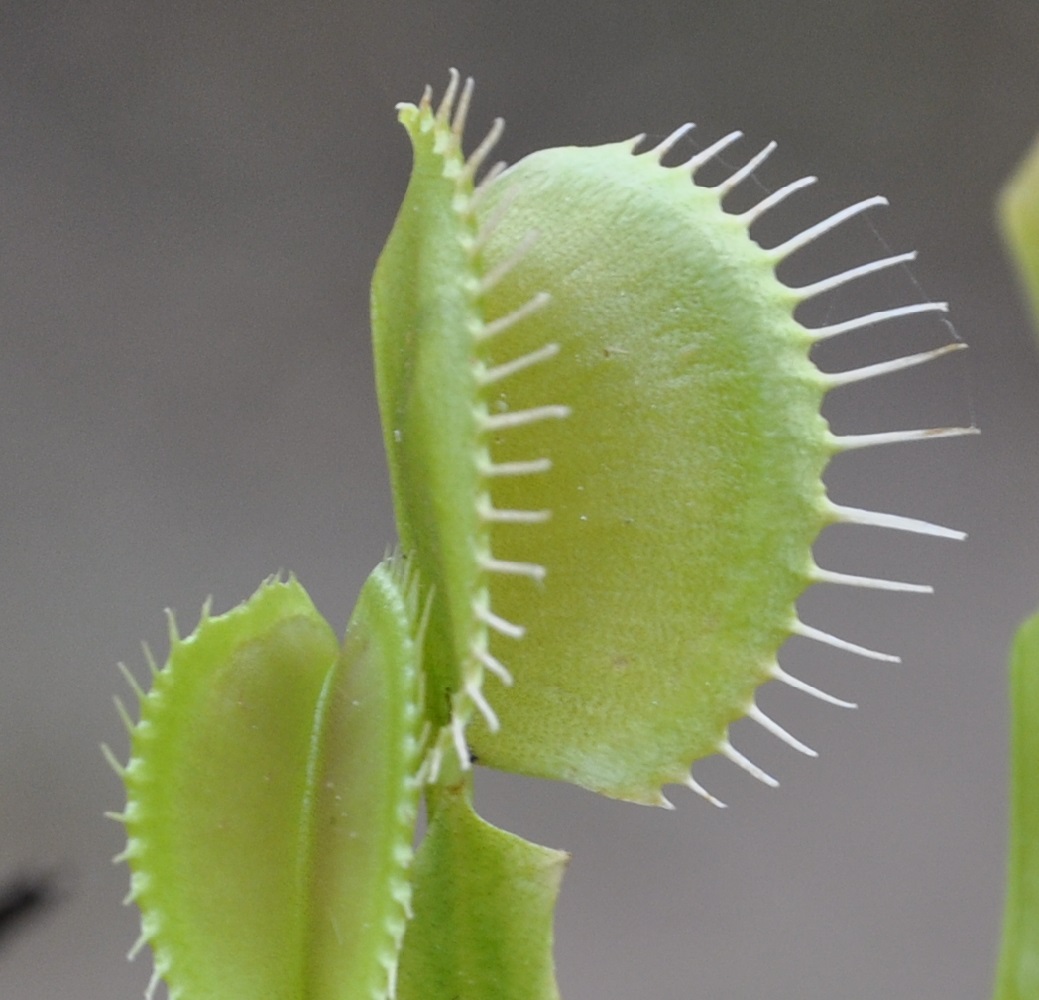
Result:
[{"x": 23, "y": 900}]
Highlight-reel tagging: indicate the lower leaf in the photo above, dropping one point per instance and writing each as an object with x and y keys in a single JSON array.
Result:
[
  {"x": 1018, "y": 974},
  {"x": 483, "y": 905}
]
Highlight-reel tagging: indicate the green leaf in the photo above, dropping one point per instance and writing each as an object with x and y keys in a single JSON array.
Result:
[
  {"x": 604, "y": 434},
  {"x": 1019, "y": 220},
  {"x": 1017, "y": 977},
  {"x": 271, "y": 799},
  {"x": 483, "y": 904}
]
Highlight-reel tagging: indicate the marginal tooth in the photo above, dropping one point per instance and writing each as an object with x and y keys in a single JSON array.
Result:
[
  {"x": 494, "y": 665},
  {"x": 745, "y": 171},
  {"x": 131, "y": 680},
  {"x": 776, "y": 672},
  {"x": 508, "y": 568},
  {"x": 490, "y": 176},
  {"x": 726, "y": 749},
  {"x": 849, "y": 442},
  {"x": 659, "y": 151},
  {"x": 770, "y": 201},
  {"x": 805, "y": 292},
  {"x": 516, "y": 468},
  {"x": 448, "y": 100},
  {"x": 131, "y": 895},
  {"x": 880, "y": 316},
  {"x": 696, "y": 162},
  {"x": 114, "y": 764},
  {"x": 458, "y": 739},
  {"x": 488, "y": 376},
  {"x": 492, "y": 277},
  {"x": 478, "y": 155},
  {"x": 691, "y": 783},
  {"x": 135, "y": 949},
  {"x": 503, "y": 323},
  {"x": 488, "y": 225},
  {"x": 124, "y": 715},
  {"x": 117, "y": 817},
  {"x": 799, "y": 628},
  {"x": 778, "y": 731},
  {"x": 835, "y": 379},
  {"x": 493, "y": 422},
  {"x": 499, "y": 624},
  {"x": 785, "y": 249},
  {"x": 171, "y": 628},
  {"x": 458, "y": 121},
  {"x": 153, "y": 667},
  {"x": 820, "y": 575},
  {"x": 433, "y": 763},
  {"x": 875, "y": 519},
  {"x": 493, "y": 514},
  {"x": 153, "y": 985},
  {"x": 472, "y": 688}
]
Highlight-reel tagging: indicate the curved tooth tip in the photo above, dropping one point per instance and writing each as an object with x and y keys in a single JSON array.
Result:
[
  {"x": 876, "y": 519},
  {"x": 880, "y": 316},
  {"x": 153, "y": 985},
  {"x": 800, "y": 628},
  {"x": 851, "y": 442},
  {"x": 435, "y": 760},
  {"x": 770, "y": 725},
  {"x": 736, "y": 178},
  {"x": 835, "y": 379},
  {"x": 805, "y": 237},
  {"x": 777, "y": 673},
  {"x": 691, "y": 783},
  {"x": 135, "y": 948},
  {"x": 457, "y": 728},
  {"x": 505, "y": 567},
  {"x": 499, "y": 624},
  {"x": 726, "y": 749},
  {"x": 773, "y": 199},
  {"x": 131, "y": 680},
  {"x": 114, "y": 763},
  {"x": 662, "y": 148},
  {"x": 448, "y": 100},
  {"x": 124, "y": 716},
  {"x": 462, "y": 110},
  {"x": 171, "y": 627},
  {"x": 820, "y": 575},
  {"x": 694, "y": 163},
  {"x": 805, "y": 292},
  {"x": 472, "y": 688},
  {"x": 478, "y": 155},
  {"x": 494, "y": 665}
]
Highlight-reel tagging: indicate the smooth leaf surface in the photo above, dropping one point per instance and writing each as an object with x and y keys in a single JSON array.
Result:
[
  {"x": 484, "y": 899},
  {"x": 271, "y": 800}
]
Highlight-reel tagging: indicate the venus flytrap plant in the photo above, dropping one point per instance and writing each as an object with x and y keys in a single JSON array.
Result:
[{"x": 606, "y": 451}]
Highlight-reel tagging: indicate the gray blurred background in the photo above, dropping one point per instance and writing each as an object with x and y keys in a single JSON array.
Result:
[{"x": 193, "y": 199}]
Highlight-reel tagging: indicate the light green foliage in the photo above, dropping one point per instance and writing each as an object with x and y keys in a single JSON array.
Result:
[
  {"x": 1019, "y": 220},
  {"x": 271, "y": 797},
  {"x": 606, "y": 451},
  {"x": 1018, "y": 974},
  {"x": 685, "y": 487},
  {"x": 483, "y": 910}
]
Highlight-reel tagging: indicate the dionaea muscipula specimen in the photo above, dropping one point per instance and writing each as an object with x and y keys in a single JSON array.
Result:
[{"x": 606, "y": 453}]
